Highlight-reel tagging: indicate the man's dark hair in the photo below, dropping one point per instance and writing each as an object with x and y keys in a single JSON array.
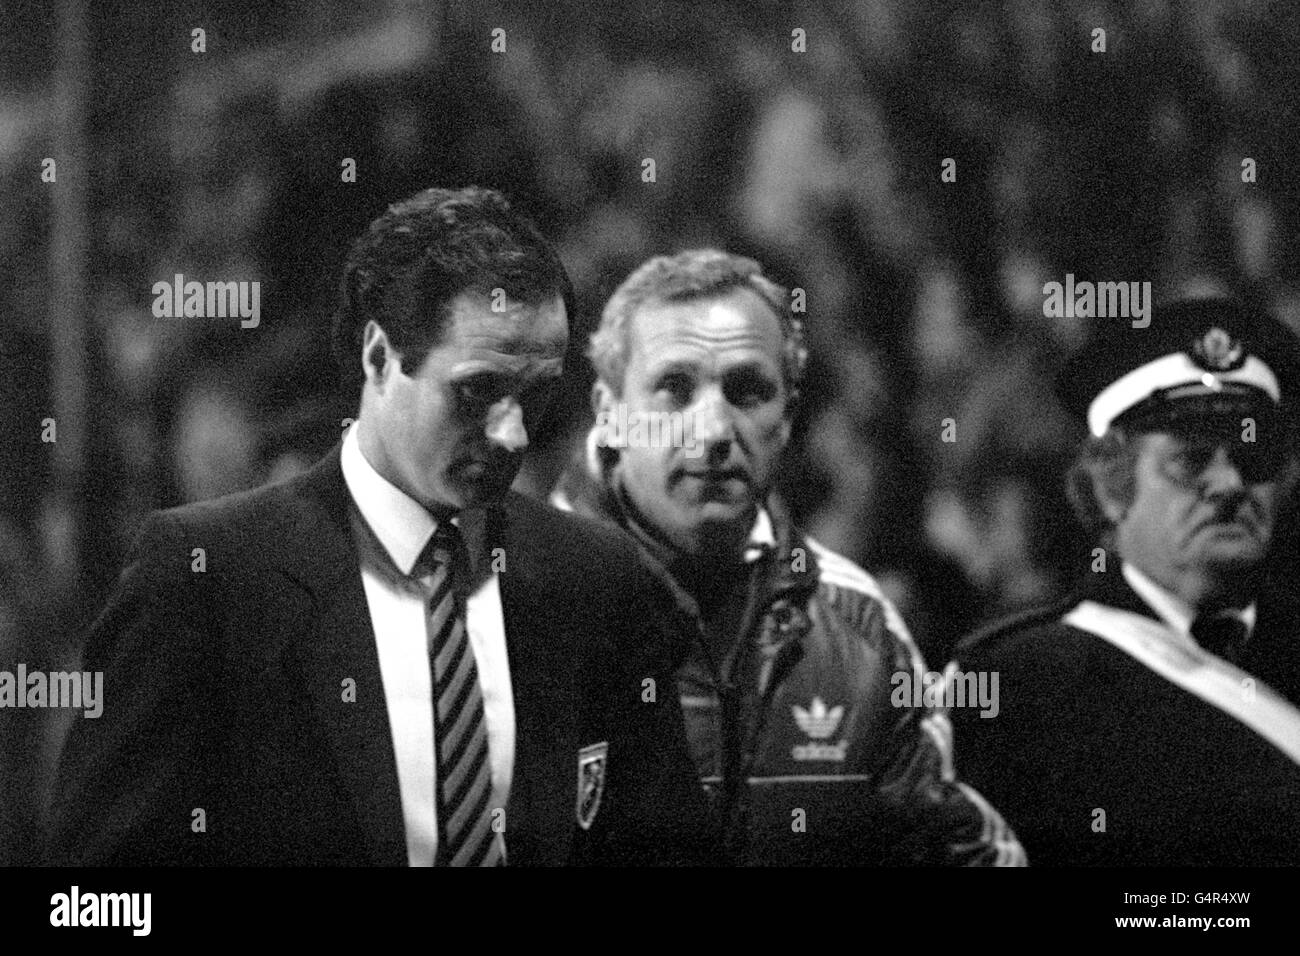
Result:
[{"x": 425, "y": 251}]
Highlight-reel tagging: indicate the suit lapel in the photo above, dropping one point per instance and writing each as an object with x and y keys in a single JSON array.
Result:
[
  {"x": 541, "y": 811},
  {"x": 542, "y": 649},
  {"x": 339, "y": 645}
]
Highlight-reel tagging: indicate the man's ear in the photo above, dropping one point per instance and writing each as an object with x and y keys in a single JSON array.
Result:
[
  {"x": 602, "y": 399},
  {"x": 1112, "y": 507},
  {"x": 787, "y": 425},
  {"x": 377, "y": 355}
]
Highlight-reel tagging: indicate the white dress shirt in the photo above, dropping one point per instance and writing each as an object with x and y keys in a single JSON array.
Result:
[{"x": 397, "y": 612}]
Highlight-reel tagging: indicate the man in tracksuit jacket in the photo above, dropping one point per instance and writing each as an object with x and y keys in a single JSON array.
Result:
[{"x": 798, "y": 689}]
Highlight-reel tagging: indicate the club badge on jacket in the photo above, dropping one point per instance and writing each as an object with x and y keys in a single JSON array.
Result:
[{"x": 591, "y": 782}]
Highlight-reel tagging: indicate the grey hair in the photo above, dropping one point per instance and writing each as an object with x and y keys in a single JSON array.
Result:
[
  {"x": 693, "y": 274},
  {"x": 1104, "y": 466}
]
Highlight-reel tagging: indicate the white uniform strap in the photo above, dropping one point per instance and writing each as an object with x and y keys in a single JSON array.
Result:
[{"x": 1186, "y": 664}]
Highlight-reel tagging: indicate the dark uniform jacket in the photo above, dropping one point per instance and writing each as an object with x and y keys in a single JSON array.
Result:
[
  {"x": 1096, "y": 758},
  {"x": 796, "y": 734},
  {"x": 225, "y": 691}
]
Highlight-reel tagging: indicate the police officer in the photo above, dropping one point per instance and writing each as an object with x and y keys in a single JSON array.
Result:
[{"x": 1150, "y": 718}]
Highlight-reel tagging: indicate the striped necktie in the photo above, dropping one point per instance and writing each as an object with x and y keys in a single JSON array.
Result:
[{"x": 466, "y": 836}]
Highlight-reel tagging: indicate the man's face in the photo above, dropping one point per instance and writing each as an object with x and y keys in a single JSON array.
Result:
[
  {"x": 716, "y": 362},
  {"x": 1202, "y": 513},
  {"x": 452, "y": 434}
]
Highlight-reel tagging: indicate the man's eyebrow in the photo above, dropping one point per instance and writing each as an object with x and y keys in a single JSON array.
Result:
[
  {"x": 672, "y": 365},
  {"x": 503, "y": 364},
  {"x": 484, "y": 374},
  {"x": 508, "y": 381},
  {"x": 751, "y": 367}
]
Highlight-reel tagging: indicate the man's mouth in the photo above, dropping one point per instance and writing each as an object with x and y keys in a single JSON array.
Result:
[
  {"x": 715, "y": 475},
  {"x": 1241, "y": 522}
]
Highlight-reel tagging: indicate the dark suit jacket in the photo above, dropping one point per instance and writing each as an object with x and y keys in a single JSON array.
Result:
[
  {"x": 224, "y": 691},
  {"x": 1083, "y": 727}
]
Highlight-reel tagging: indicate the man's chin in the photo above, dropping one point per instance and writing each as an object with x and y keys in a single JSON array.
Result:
[
  {"x": 479, "y": 490},
  {"x": 724, "y": 514},
  {"x": 719, "y": 527},
  {"x": 1234, "y": 551},
  {"x": 482, "y": 493}
]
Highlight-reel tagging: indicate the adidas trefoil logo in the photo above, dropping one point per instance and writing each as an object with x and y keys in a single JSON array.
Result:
[{"x": 819, "y": 722}]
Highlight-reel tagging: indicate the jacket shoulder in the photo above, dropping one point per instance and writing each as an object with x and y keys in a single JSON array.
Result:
[
  {"x": 280, "y": 525},
  {"x": 598, "y": 561},
  {"x": 1032, "y": 639},
  {"x": 568, "y": 531},
  {"x": 242, "y": 514},
  {"x": 857, "y": 597},
  {"x": 834, "y": 571}
]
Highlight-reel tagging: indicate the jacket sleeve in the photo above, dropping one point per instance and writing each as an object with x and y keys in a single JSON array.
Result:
[
  {"x": 130, "y": 779},
  {"x": 941, "y": 821}
]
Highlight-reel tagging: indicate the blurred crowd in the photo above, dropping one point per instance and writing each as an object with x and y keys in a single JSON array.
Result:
[{"x": 924, "y": 297}]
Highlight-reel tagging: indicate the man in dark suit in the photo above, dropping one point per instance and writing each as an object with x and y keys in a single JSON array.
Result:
[
  {"x": 1151, "y": 718},
  {"x": 392, "y": 659}
]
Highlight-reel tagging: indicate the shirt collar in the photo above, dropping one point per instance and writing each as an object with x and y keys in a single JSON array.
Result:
[
  {"x": 401, "y": 523},
  {"x": 762, "y": 538},
  {"x": 1172, "y": 609}
]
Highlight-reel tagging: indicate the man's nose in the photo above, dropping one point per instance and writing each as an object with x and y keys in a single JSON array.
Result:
[
  {"x": 712, "y": 420},
  {"x": 505, "y": 426},
  {"x": 1222, "y": 475}
]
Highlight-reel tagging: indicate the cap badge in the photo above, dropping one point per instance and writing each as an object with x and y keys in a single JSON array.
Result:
[{"x": 1217, "y": 351}]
